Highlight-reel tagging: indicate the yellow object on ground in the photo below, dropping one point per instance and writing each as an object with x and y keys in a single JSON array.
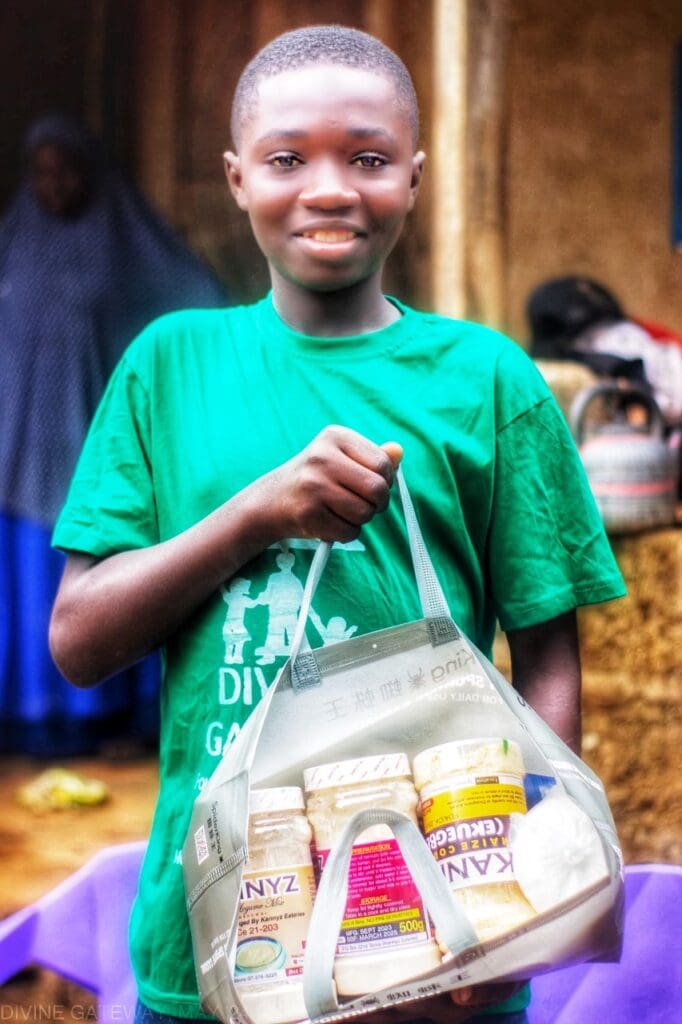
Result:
[{"x": 58, "y": 788}]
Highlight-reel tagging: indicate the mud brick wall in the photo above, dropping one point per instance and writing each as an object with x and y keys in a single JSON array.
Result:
[
  {"x": 632, "y": 726},
  {"x": 639, "y": 639},
  {"x": 587, "y": 162},
  {"x": 632, "y": 738}
]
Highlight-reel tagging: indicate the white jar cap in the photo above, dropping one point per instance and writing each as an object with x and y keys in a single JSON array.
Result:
[
  {"x": 356, "y": 771},
  {"x": 281, "y": 798},
  {"x": 487, "y": 755}
]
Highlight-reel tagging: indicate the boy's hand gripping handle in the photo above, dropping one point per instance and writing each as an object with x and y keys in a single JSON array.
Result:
[{"x": 433, "y": 603}]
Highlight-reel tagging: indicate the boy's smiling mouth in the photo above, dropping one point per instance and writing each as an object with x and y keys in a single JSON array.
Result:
[
  {"x": 330, "y": 242},
  {"x": 330, "y": 236},
  {"x": 334, "y": 233}
]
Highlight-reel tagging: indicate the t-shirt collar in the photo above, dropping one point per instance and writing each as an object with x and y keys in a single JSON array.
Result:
[{"x": 349, "y": 346}]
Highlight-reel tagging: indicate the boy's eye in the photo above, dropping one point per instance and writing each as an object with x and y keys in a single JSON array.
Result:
[
  {"x": 284, "y": 160},
  {"x": 370, "y": 160}
]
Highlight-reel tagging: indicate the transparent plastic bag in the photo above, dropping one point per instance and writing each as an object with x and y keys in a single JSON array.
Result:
[{"x": 448, "y": 691}]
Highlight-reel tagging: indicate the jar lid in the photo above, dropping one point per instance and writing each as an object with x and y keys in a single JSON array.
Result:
[
  {"x": 356, "y": 771},
  {"x": 487, "y": 755},
  {"x": 280, "y": 798}
]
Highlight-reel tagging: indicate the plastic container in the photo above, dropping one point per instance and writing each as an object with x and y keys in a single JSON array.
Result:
[
  {"x": 277, "y": 894},
  {"x": 468, "y": 790},
  {"x": 385, "y": 936}
]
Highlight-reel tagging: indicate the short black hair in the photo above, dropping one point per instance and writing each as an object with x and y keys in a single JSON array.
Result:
[{"x": 323, "y": 44}]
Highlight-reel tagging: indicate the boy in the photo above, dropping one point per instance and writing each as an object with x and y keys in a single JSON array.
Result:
[{"x": 212, "y": 454}]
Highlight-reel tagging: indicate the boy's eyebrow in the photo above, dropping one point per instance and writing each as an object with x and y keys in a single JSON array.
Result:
[
  {"x": 297, "y": 133},
  {"x": 367, "y": 133},
  {"x": 282, "y": 133}
]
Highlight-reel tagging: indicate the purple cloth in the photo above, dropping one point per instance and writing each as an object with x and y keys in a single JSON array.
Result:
[
  {"x": 80, "y": 930},
  {"x": 646, "y": 986}
]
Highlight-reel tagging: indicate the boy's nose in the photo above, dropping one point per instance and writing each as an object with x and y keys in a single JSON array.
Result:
[{"x": 327, "y": 188}]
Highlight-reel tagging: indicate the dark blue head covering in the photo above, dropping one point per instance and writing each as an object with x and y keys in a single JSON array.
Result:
[
  {"x": 62, "y": 130},
  {"x": 73, "y": 293}
]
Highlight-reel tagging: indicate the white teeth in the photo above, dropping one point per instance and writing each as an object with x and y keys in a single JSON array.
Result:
[{"x": 330, "y": 237}]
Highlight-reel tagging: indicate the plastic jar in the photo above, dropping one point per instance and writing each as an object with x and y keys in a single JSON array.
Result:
[
  {"x": 276, "y": 900},
  {"x": 467, "y": 791},
  {"x": 385, "y": 935}
]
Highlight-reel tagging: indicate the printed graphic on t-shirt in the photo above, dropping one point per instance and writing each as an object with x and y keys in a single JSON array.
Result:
[{"x": 282, "y": 596}]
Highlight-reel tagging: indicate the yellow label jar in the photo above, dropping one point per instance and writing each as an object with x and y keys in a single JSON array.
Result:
[
  {"x": 276, "y": 900},
  {"x": 467, "y": 792},
  {"x": 385, "y": 935}
]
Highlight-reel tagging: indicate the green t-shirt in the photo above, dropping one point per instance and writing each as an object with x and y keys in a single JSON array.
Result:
[{"x": 203, "y": 403}]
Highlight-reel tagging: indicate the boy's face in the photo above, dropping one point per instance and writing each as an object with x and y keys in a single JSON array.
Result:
[{"x": 327, "y": 173}]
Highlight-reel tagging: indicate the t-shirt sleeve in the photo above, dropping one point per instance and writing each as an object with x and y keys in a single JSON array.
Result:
[
  {"x": 110, "y": 506},
  {"x": 548, "y": 552}
]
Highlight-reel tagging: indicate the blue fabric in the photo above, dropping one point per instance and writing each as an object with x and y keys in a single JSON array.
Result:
[
  {"x": 73, "y": 292},
  {"x": 41, "y": 714}
]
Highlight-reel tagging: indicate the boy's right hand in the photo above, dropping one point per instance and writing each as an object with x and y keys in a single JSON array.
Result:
[{"x": 333, "y": 487}]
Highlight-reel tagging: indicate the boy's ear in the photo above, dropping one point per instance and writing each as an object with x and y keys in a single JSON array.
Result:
[
  {"x": 417, "y": 172},
  {"x": 233, "y": 173}
]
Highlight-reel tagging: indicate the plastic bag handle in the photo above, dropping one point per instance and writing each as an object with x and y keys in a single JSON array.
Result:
[
  {"x": 452, "y": 925},
  {"x": 299, "y": 643},
  {"x": 432, "y": 599},
  {"x": 431, "y": 596}
]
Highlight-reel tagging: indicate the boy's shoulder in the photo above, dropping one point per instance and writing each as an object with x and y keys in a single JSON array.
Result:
[
  {"x": 467, "y": 327},
  {"x": 185, "y": 329},
  {"x": 483, "y": 341},
  {"x": 183, "y": 322},
  {"x": 498, "y": 372},
  {"x": 456, "y": 326}
]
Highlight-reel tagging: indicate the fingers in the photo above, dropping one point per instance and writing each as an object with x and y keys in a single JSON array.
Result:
[
  {"x": 478, "y": 996},
  {"x": 354, "y": 463},
  {"x": 434, "y": 1010},
  {"x": 461, "y": 996},
  {"x": 394, "y": 452},
  {"x": 362, "y": 451},
  {"x": 351, "y": 507},
  {"x": 335, "y": 485}
]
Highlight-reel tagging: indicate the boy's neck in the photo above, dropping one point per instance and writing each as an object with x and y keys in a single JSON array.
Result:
[{"x": 358, "y": 309}]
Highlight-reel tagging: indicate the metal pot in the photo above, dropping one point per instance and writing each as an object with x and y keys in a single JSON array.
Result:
[{"x": 633, "y": 473}]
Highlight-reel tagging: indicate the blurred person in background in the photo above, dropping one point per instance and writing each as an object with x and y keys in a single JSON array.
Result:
[
  {"x": 577, "y": 318},
  {"x": 84, "y": 265}
]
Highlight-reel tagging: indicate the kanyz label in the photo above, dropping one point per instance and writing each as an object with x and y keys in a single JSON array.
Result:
[
  {"x": 468, "y": 868},
  {"x": 266, "y": 885}
]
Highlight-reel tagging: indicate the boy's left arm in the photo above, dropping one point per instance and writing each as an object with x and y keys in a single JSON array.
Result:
[{"x": 545, "y": 662}]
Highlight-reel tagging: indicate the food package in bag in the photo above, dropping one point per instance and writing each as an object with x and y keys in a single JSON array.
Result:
[{"x": 515, "y": 860}]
